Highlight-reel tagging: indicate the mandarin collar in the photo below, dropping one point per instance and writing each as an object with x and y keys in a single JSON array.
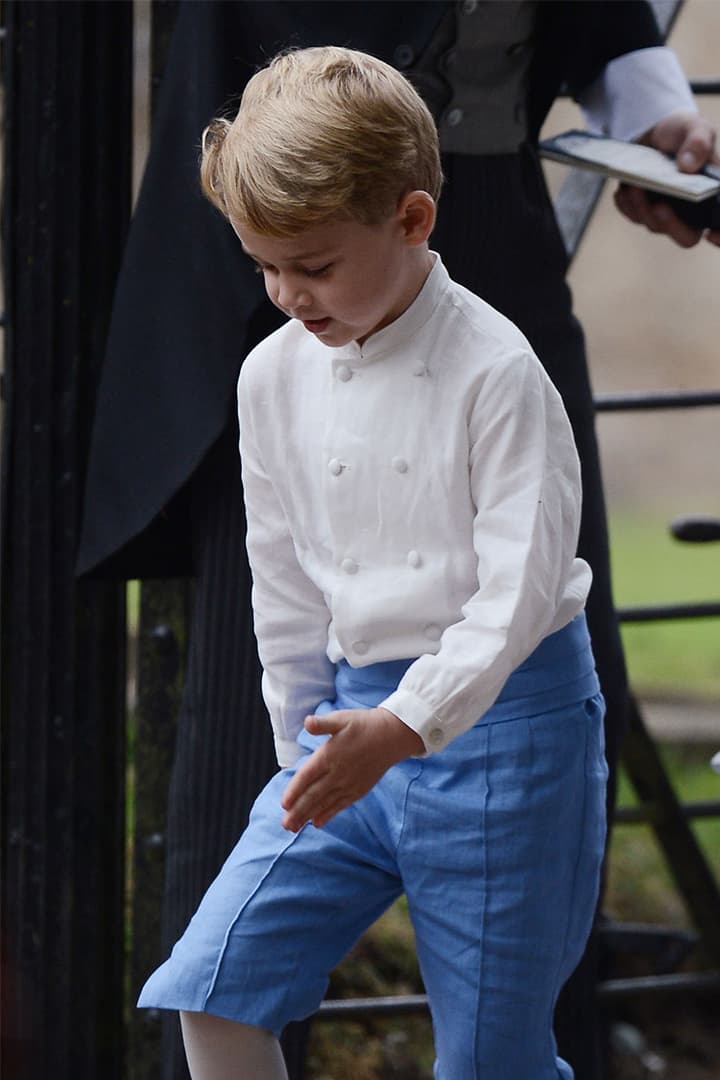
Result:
[{"x": 406, "y": 326}]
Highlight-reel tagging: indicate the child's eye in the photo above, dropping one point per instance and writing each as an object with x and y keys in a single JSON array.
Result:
[{"x": 317, "y": 271}]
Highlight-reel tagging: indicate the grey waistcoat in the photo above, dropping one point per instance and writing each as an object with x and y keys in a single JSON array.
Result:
[{"x": 473, "y": 74}]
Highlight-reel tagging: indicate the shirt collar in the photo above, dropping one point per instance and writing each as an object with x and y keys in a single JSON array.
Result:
[{"x": 406, "y": 326}]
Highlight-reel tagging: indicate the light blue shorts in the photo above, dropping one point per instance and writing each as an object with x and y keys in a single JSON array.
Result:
[{"x": 497, "y": 840}]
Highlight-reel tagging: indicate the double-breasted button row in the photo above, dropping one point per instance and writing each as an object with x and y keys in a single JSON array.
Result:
[
  {"x": 414, "y": 559},
  {"x": 336, "y": 467}
]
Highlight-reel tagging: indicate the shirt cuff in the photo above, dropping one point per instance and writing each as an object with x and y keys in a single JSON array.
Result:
[
  {"x": 419, "y": 716},
  {"x": 287, "y": 752},
  {"x": 634, "y": 92}
]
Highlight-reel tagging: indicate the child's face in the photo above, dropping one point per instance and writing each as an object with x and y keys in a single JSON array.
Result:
[{"x": 341, "y": 279}]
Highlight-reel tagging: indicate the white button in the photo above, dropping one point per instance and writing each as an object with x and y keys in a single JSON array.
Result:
[
  {"x": 435, "y": 736},
  {"x": 360, "y": 647},
  {"x": 469, "y": 7},
  {"x": 400, "y": 464},
  {"x": 344, "y": 373},
  {"x": 414, "y": 559},
  {"x": 454, "y": 117},
  {"x": 335, "y": 466},
  {"x": 420, "y": 370},
  {"x": 349, "y": 566},
  {"x": 433, "y": 632}
]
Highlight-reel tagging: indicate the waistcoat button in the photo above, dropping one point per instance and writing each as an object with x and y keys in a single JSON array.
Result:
[
  {"x": 403, "y": 56},
  {"x": 360, "y": 647}
]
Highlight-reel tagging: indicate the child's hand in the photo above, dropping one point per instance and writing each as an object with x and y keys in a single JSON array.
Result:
[{"x": 364, "y": 744}]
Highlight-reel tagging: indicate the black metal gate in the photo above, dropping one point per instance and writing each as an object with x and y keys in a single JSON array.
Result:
[{"x": 68, "y": 74}]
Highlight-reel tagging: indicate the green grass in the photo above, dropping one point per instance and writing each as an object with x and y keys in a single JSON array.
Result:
[{"x": 680, "y": 658}]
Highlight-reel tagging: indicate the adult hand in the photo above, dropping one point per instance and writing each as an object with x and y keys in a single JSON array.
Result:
[
  {"x": 364, "y": 744},
  {"x": 691, "y": 139}
]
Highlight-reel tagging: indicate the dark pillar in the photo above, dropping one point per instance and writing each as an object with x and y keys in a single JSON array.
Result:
[{"x": 66, "y": 206}]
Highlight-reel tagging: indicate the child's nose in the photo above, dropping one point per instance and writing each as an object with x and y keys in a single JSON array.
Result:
[{"x": 292, "y": 294}]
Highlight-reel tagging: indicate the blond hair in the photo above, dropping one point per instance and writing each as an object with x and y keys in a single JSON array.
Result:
[{"x": 321, "y": 133}]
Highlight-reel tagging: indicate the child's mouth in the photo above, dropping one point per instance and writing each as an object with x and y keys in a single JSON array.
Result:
[{"x": 316, "y": 326}]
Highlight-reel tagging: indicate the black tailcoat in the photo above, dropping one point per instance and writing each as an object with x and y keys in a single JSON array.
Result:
[{"x": 188, "y": 304}]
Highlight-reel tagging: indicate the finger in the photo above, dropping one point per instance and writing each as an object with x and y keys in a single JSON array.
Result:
[
  {"x": 313, "y": 803},
  {"x": 329, "y": 724},
  {"x": 661, "y": 219},
  {"x": 311, "y": 772},
  {"x": 320, "y": 820},
  {"x": 696, "y": 148},
  {"x": 658, "y": 217},
  {"x": 686, "y": 135},
  {"x": 629, "y": 202}
]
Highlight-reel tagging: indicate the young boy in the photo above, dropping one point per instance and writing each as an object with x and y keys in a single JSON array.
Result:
[{"x": 413, "y": 496}]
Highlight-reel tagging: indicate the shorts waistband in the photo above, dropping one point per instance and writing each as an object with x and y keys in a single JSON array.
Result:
[{"x": 559, "y": 672}]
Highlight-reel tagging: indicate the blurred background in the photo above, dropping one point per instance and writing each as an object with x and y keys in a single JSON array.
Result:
[{"x": 652, "y": 321}]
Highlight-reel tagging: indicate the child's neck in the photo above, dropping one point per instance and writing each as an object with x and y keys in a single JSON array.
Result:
[{"x": 422, "y": 262}]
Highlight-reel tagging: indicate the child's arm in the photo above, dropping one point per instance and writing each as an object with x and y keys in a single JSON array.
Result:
[
  {"x": 364, "y": 744},
  {"x": 525, "y": 486},
  {"x": 290, "y": 614}
]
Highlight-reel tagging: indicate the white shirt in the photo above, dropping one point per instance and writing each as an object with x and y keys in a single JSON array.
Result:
[
  {"x": 416, "y": 496},
  {"x": 634, "y": 91}
]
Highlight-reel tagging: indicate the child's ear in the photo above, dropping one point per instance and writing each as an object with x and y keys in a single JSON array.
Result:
[{"x": 416, "y": 213}]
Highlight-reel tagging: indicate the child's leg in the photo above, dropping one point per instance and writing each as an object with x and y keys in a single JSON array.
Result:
[
  {"x": 218, "y": 1049},
  {"x": 501, "y": 868},
  {"x": 282, "y": 913}
]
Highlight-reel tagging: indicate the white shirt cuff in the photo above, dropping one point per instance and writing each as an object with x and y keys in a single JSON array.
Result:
[
  {"x": 288, "y": 752},
  {"x": 634, "y": 92},
  {"x": 419, "y": 716}
]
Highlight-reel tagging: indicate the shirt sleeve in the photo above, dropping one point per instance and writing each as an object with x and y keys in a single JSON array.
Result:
[
  {"x": 634, "y": 92},
  {"x": 525, "y": 483},
  {"x": 290, "y": 614}
]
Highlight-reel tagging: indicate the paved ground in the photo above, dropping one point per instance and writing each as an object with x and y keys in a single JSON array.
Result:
[{"x": 683, "y": 721}]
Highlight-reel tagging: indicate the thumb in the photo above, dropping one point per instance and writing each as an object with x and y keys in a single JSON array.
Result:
[
  {"x": 690, "y": 157},
  {"x": 696, "y": 148},
  {"x": 329, "y": 724}
]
